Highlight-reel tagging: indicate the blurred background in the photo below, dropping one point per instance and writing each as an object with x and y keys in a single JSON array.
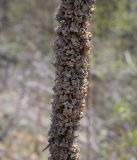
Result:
[{"x": 109, "y": 128}]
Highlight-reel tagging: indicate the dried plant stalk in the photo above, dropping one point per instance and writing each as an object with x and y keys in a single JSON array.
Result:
[{"x": 72, "y": 46}]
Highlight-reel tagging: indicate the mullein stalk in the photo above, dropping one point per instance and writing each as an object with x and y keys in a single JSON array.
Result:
[{"x": 72, "y": 46}]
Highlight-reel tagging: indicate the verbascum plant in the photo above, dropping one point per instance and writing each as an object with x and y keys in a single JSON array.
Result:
[{"x": 72, "y": 46}]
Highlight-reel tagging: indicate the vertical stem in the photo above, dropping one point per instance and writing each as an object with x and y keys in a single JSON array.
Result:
[
  {"x": 90, "y": 128},
  {"x": 3, "y": 15},
  {"x": 88, "y": 119},
  {"x": 72, "y": 46}
]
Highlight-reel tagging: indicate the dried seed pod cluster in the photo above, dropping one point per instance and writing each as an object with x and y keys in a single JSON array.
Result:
[{"x": 72, "y": 44}]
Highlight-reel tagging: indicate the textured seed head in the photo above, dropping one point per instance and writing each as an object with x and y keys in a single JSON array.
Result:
[{"x": 71, "y": 46}]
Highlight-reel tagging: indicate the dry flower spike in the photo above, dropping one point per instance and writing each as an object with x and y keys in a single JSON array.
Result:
[{"x": 72, "y": 45}]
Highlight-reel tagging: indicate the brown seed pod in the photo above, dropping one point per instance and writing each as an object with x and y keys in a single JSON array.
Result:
[{"x": 74, "y": 28}]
